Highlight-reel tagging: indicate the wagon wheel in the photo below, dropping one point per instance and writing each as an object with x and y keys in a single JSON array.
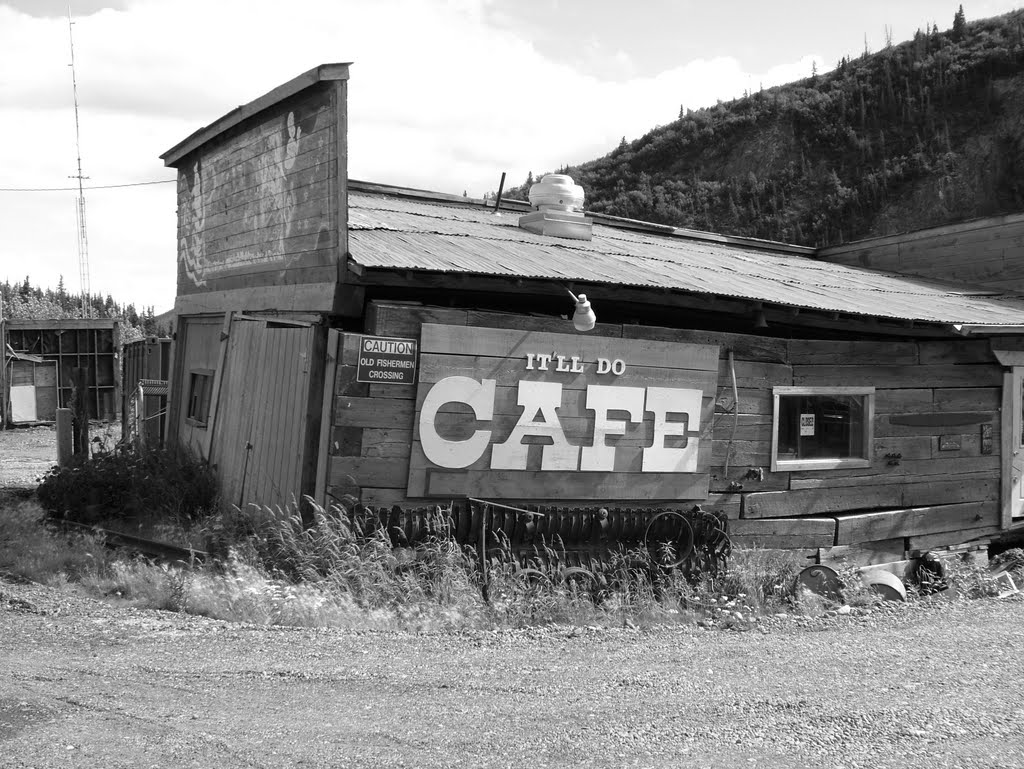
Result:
[{"x": 678, "y": 543}]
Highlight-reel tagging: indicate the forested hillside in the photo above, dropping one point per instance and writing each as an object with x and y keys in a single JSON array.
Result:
[
  {"x": 921, "y": 133},
  {"x": 23, "y": 300}
]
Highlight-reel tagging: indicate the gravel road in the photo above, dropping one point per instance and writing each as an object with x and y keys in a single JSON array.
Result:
[
  {"x": 85, "y": 684},
  {"x": 26, "y": 453}
]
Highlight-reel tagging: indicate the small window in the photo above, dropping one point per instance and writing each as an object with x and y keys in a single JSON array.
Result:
[
  {"x": 200, "y": 384},
  {"x": 817, "y": 428}
]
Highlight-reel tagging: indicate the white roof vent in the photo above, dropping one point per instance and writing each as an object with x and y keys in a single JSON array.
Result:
[{"x": 556, "y": 198}]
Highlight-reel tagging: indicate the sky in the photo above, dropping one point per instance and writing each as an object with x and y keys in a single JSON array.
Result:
[{"x": 444, "y": 95}]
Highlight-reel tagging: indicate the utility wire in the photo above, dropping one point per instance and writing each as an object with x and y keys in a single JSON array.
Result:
[{"x": 75, "y": 189}]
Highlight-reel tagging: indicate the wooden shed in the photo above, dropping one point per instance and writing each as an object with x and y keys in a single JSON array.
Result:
[
  {"x": 40, "y": 356},
  {"x": 338, "y": 337}
]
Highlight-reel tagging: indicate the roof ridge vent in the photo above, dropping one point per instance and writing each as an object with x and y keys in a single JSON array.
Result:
[{"x": 557, "y": 198}]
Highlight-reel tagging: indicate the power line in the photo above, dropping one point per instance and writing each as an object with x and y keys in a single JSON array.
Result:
[{"x": 76, "y": 189}]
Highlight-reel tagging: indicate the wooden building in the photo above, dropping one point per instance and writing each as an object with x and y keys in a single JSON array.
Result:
[
  {"x": 337, "y": 337},
  {"x": 145, "y": 373},
  {"x": 39, "y": 358}
]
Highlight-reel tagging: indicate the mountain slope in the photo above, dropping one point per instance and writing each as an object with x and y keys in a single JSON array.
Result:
[{"x": 919, "y": 134}]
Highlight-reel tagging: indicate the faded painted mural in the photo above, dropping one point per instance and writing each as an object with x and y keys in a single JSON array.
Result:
[{"x": 259, "y": 204}]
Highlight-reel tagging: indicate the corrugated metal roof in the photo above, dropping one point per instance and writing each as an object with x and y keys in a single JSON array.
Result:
[{"x": 400, "y": 234}]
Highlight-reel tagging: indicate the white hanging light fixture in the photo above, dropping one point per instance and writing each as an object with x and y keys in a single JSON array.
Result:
[{"x": 584, "y": 318}]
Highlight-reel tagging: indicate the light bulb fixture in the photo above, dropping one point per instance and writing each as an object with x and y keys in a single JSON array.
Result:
[
  {"x": 584, "y": 318},
  {"x": 760, "y": 320}
]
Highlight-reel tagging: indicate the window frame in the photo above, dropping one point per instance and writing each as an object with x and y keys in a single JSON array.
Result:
[
  {"x": 827, "y": 463},
  {"x": 204, "y": 404}
]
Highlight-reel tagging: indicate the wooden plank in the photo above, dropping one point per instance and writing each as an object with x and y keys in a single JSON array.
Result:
[
  {"x": 406, "y": 392},
  {"x": 388, "y": 443},
  {"x": 752, "y": 453},
  {"x": 915, "y": 521},
  {"x": 863, "y": 553},
  {"x": 783, "y": 533},
  {"x": 833, "y": 352},
  {"x": 332, "y": 353},
  {"x": 943, "y": 419},
  {"x": 804, "y": 542},
  {"x": 903, "y": 401},
  {"x": 956, "y": 351},
  {"x": 754, "y": 374},
  {"x": 316, "y": 295},
  {"x": 779, "y": 504},
  {"x": 512, "y": 343},
  {"x": 933, "y": 424},
  {"x": 305, "y": 232},
  {"x": 346, "y": 441},
  {"x": 743, "y": 346},
  {"x": 233, "y": 202},
  {"x": 404, "y": 320},
  {"x": 509, "y": 372},
  {"x": 750, "y": 477},
  {"x": 386, "y": 498},
  {"x": 372, "y": 412},
  {"x": 890, "y": 376},
  {"x": 368, "y": 471},
  {"x": 237, "y": 169},
  {"x": 958, "y": 536},
  {"x": 506, "y": 484},
  {"x": 61, "y": 324},
  {"x": 968, "y": 399},
  {"x": 915, "y": 470},
  {"x": 481, "y": 319},
  {"x": 752, "y": 401},
  {"x": 1009, "y": 447},
  {"x": 747, "y": 427},
  {"x": 729, "y": 504}
]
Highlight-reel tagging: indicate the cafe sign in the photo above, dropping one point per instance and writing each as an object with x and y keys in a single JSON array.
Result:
[{"x": 518, "y": 414}]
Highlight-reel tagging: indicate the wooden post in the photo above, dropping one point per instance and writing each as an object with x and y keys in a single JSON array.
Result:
[
  {"x": 80, "y": 409},
  {"x": 4, "y": 408},
  {"x": 64, "y": 437}
]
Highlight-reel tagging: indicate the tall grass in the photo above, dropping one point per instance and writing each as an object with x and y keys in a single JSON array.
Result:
[
  {"x": 272, "y": 568},
  {"x": 29, "y": 548}
]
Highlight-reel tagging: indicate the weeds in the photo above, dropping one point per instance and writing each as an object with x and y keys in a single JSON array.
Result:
[
  {"x": 339, "y": 569},
  {"x": 126, "y": 483},
  {"x": 30, "y": 549}
]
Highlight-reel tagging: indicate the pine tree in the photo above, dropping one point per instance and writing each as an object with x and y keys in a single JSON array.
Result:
[{"x": 959, "y": 31}]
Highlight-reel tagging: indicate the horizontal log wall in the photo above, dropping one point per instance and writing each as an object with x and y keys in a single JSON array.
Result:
[
  {"x": 986, "y": 252},
  {"x": 934, "y": 478}
]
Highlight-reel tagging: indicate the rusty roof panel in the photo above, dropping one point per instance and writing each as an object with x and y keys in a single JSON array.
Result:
[{"x": 391, "y": 233}]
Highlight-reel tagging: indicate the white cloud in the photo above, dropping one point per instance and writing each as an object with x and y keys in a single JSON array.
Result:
[{"x": 438, "y": 100}]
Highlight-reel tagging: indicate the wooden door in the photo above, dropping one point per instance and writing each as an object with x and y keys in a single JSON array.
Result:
[
  {"x": 46, "y": 391},
  {"x": 1013, "y": 445},
  {"x": 266, "y": 430}
]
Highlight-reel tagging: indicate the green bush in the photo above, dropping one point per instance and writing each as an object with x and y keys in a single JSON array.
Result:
[{"x": 128, "y": 483}]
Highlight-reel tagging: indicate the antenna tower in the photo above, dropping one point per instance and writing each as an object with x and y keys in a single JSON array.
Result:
[{"x": 83, "y": 238}]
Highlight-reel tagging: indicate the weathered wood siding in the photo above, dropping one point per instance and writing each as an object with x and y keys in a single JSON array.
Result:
[
  {"x": 258, "y": 210},
  {"x": 930, "y": 396},
  {"x": 986, "y": 252},
  {"x": 198, "y": 348}
]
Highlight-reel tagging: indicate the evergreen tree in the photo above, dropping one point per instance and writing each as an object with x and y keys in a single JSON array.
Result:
[{"x": 959, "y": 31}]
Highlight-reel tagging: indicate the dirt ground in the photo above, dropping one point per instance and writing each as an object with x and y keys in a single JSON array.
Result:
[
  {"x": 26, "y": 453},
  {"x": 85, "y": 684}
]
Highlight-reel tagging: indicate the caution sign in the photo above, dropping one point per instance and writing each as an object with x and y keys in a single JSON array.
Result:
[{"x": 386, "y": 360}]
